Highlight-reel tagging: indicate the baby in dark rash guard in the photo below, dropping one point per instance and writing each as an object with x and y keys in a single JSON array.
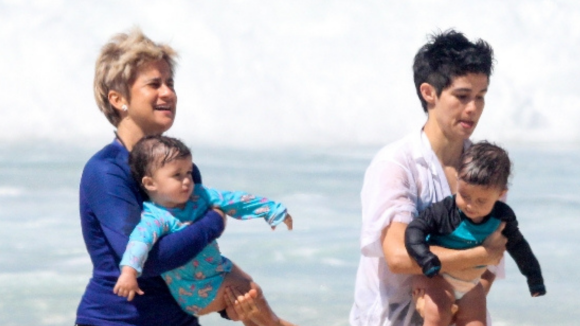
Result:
[{"x": 463, "y": 221}]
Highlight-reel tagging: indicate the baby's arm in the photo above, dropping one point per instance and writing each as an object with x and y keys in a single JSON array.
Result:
[
  {"x": 127, "y": 283},
  {"x": 416, "y": 243},
  {"x": 244, "y": 206},
  {"x": 143, "y": 237},
  {"x": 520, "y": 250}
]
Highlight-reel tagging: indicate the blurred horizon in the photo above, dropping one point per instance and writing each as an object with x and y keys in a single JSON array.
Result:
[{"x": 257, "y": 74}]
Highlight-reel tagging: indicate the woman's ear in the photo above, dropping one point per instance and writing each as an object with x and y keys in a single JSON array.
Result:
[
  {"x": 149, "y": 183},
  {"x": 116, "y": 99},
  {"x": 428, "y": 92}
]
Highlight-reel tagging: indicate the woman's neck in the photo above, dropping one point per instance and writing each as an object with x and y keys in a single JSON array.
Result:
[
  {"x": 447, "y": 150},
  {"x": 129, "y": 135}
]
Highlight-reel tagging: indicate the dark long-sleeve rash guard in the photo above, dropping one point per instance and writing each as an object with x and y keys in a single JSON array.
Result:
[
  {"x": 443, "y": 224},
  {"x": 110, "y": 207}
]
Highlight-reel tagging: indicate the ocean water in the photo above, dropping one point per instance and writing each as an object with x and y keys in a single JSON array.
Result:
[
  {"x": 327, "y": 81},
  {"x": 307, "y": 274}
]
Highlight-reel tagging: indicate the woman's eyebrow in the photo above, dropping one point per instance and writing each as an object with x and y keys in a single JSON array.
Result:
[
  {"x": 159, "y": 79},
  {"x": 467, "y": 90}
]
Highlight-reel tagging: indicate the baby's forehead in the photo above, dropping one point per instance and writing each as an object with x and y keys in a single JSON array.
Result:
[
  {"x": 180, "y": 159},
  {"x": 163, "y": 160},
  {"x": 482, "y": 189}
]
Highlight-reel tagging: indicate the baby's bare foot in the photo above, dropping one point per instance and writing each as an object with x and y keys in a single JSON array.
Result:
[{"x": 419, "y": 299}]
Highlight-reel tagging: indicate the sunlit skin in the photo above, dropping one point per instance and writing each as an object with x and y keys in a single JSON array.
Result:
[
  {"x": 476, "y": 201},
  {"x": 172, "y": 184},
  {"x": 153, "y": 98},
  {"x": 452, "y": 117},
  {"x": 456, "y": 111},
  {"x": 151, "y": 107}
]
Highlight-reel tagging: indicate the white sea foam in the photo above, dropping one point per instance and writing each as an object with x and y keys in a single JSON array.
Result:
[
  {"x": 257, "y": 73},
  {"x": 334, "y": 262},
  {"x": 10, "y": 192}
]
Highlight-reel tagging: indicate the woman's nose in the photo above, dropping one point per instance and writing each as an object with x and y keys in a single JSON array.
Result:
[
  {"x": 166, "y": 91},
  {"x": 471, "y": 107},
  {"x": 475, "y": 107}
]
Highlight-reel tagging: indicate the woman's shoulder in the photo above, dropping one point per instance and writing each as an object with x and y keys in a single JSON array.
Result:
[
  {"x": 398, "y": 151},
  {"x": 110, "y": 159}
]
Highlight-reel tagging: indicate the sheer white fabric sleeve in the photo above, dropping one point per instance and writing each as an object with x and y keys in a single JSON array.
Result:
[{"x": 388, "y": 195}]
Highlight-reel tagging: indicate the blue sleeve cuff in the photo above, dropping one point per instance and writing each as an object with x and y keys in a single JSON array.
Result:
[{"x": 135, "y": 256}]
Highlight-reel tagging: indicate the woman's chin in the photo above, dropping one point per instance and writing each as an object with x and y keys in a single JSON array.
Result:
[
  {"x": 160, "y": 127},
  {"x": 465, "y": 133}
]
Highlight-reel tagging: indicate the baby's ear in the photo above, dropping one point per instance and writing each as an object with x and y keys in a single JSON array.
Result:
[
  {"x": 149, "y": 183},
  {"x": 503, "y": 193}
]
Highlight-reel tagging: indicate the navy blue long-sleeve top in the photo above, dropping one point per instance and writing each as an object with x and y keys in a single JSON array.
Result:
[{"x": 110, "y": 207}]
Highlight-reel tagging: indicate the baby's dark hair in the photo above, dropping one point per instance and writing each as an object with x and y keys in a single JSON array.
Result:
[
  {"x": 485, "y": 164},
  {"x": 152, "y": 152},
  {"x": 446, "y": 56}
]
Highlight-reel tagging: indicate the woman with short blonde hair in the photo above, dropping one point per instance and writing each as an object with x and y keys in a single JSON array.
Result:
[
  {"x": 118, "y": 63},
  {"x": 134, "y": 89}
]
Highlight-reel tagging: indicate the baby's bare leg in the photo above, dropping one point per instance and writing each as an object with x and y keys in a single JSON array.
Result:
[
  {"x": 235, "y": 278},
  {"x": 438, "y": 300},
  {"x": 243, "y": 282},
  {"x": 472, "y": 308}
]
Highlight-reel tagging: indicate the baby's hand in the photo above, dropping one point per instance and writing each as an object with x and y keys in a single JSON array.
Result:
[
  {"x": 538, "y": 290},
  {"x": 127, "y": 284},
  {"x": 287, "y": 221}
]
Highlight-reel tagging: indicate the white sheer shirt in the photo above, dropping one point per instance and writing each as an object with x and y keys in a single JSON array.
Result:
[{"x": 404, "y": 178}]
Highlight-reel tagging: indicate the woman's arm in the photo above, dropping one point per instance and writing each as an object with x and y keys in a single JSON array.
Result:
[
  {"x": 396, "y": 255},
  {"x": 176, "y": 249},
  {"x": 389, "y": 199},
  {"x": 114, "y": 199},
  {"x": 399, "y": 260}
]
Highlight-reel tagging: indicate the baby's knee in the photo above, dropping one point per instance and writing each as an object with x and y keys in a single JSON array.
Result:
[
  {"x": 439, "y": 309},
  {"x": 241, "y": 281},
  {"x": 255, "y": 286},
  {"x": 437, "y": 304}
]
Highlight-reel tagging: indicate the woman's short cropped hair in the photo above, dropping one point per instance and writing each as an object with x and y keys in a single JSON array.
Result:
[
  {"x": 448, "y": 55},
  {"x": 117, "y": 65}
]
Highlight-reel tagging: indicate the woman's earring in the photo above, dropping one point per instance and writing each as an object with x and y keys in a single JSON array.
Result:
[{"x": 124, "y": 108}]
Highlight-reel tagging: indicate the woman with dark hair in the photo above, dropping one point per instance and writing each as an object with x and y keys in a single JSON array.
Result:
[{"x": 451, "y": 77}]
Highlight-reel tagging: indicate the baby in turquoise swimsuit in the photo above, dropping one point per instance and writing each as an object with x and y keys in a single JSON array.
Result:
[{"x": 163, "y": 165}]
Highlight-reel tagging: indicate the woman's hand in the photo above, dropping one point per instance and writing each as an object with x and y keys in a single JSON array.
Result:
[
  {"x": 494, "y": 245},
  {"x": 253, "y": 307},
  {"x": 243, "y": 304}
]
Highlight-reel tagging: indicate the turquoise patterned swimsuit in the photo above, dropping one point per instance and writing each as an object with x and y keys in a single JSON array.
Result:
[{"x": 195, "y": 285}]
